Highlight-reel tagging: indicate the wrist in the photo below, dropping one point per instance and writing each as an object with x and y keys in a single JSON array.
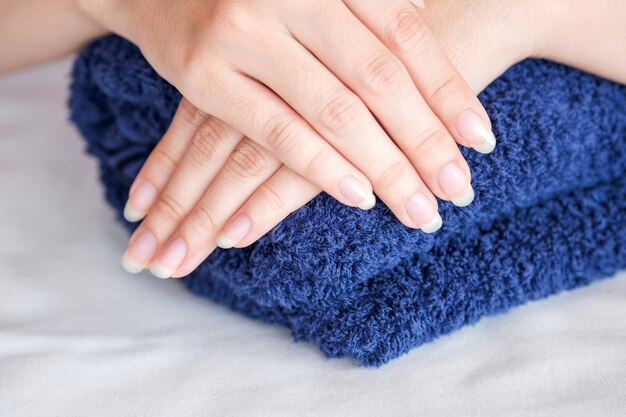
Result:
[
  {"x": 103, "y": 13},
  {"x": 544, "y": 20}
]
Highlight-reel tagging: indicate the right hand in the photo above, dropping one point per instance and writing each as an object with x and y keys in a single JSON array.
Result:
[
  {"x": 345, "y": 93},
  {"x": 184, "y": 149}
]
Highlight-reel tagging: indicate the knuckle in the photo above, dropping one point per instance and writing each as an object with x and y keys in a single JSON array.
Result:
[
  {"x": 406, "y": 30},
  {"x": 429, "y": 140},
  {"x": 443, "y": 86},
  {"x": 319, "y": 163},
  {"x": 247, "y": 160},
  {"x": 209, "y": 144},
  {"x": 281, "y": 134},
  {"x": 196, "y": 70},
  {"x": 164, "y": 158},
  {"x": 391, "y": 175},
  {"x": 381, "y": 75},
  {"x": 191, "y": 69},
  {"x": 169, "y": 209},
  {"x": 341, "y": 114},
  {"x": 233, "y": 18},
  {"x": 204, "y": 218},
  {"x": 272, "y": 197},
  {"x": 190, "y": 114}
]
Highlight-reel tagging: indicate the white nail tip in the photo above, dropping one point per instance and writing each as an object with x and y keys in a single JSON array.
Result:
[
  {"x": 161, "y": 272},
  {"x": 130, "y": 265},
  {"x": 131, "y": 215},
  {"x": 433, "y": 225},
  {"x": 464, "y": 200},
  {"x": 368, "y": 203},
  {"x": 224, "y": 242},
  {"x": 419, "y": 3},
  {"x": 488, "y": 145}
]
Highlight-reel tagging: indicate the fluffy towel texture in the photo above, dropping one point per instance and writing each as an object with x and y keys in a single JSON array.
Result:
[{"x": 549, "y": 214}]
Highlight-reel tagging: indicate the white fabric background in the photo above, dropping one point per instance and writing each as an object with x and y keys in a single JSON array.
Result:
[{"x": 79, "y": 337}]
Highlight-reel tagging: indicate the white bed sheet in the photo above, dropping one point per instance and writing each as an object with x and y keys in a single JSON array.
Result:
[{"x": 79, "y": 337}]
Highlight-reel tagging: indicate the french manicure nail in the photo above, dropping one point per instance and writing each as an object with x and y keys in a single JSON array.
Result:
[
  {"x": 473, "y": 129},
  {"x": 234, "y": 231},
  {"x": 433, "y": 225},
  {"x": 424, "y": 213},
  {"x": 170, "y": 260},
  {"x": 140, "y": 252},
  {"x": 456, "y": 185},
  {"x": 141, "y": 199},
  {"x": 464, "y": 200},
  {"x": 419, "y": 3},
  {"x": 357, "y": 193}
]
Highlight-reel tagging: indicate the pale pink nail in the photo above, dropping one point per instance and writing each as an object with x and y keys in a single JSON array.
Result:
[
  {"x": 475, "y": 131},
  {"x": 141, "y": 199},
  {"x": 140, "y": 252},
  {"x": 456, "y": 185},
  {"x": 357, "y": 193},
  {"x": 424, "y": 213},
  {"x": 171, "y": 259},
  {"x": 234, "y": 231}
]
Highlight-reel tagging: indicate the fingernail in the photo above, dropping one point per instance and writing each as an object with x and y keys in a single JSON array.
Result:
[
  {"x": 170, "y": 260},
  {"x": 234, "y": 231},
  {"x": 433, "y": 225},
  {"x": 357, "y": 193},
  {"x": 140, "y": 201},
  {"x": 456, "y": 185},
  {"x": 424, "y": 213},
  {"x": 140, "y": 252},
  {"x": 473, "y": 129},
  {"x": 419, "y": 3}
]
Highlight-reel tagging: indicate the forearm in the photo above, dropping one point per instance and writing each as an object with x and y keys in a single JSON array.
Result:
[
  {"x": 34, "y": 31},
  {"x": 586, "y": 34}
]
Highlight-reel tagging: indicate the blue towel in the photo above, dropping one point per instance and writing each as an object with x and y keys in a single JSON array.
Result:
[{"x": 549, "y": 214}]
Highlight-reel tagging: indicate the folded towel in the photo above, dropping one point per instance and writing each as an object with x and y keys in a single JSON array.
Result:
[{"x": 549, "y": 213}]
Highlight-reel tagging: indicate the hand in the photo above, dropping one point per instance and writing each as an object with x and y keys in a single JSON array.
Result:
[
  {"x": 226, "y": 45},
  {"x": 201, "y": 143},
  {"x": 248, "y": 169},
  {"x": 306, "y": 80}
]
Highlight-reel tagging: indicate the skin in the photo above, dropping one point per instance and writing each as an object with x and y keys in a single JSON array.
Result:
[
  {"x": 195, "y": 46},
  {"x": 315, "y": 87},
  {"x": 480, "y": 46}
]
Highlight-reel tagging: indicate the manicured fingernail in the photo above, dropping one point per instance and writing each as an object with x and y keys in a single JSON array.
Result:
[
  {"x": 234, "y": 231},
  {"x": 357, "y": 193},
  {"x": 419, "y": 3},
  {"x": 456, "y": 185},
  {"x": 473, "y": 129},
  {"x": 424, "y": 213},
  {"x": 433, "y": 225},
  {"x": 141, "y": 199},
  {"x": 140, "y": 252},
  {"x": 170, "y": 260}
]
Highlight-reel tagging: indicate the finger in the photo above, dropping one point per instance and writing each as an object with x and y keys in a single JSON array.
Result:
[
  {"x": 382, "y": 81},
  {"x": 261, "y": 115},
  {"x": 205, "y": 155},
  {"x": 277, "y": 198},
  {"x": 283, "y": 193},
  {"x": 399, "y": 24},
  {"x": 210, "y": 147},
  {"x": 162, "y": 162},
  {"x": 246, "y": 169},
  {"x": 344, "y": 120}
]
